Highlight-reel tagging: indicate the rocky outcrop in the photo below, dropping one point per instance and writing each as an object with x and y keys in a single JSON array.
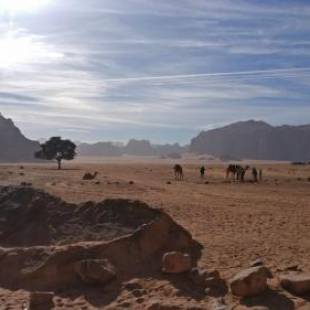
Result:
[
  {"x": 14, "y": 146},
  {"x": 255, "y": 140},
  {"x": 100, "y": 149},
  {"x": 139, "y": 147},
  {"x": 133, "y": 147},
  {"x": 130, "y": 240}
]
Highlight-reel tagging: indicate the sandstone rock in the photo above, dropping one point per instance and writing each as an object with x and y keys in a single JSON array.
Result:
[
  {"x": 297, "y": 283},
  {"x": 41, "y": 300},
  {"x": 176, "y": 262},
  {"x": 52, "y": 238},
  {"x": 95, "y": 271},
  {"x": 250, "y": 282}
]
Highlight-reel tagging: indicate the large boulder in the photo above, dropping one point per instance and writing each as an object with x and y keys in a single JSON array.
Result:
[
  {"x": 296, "y": 283},
  {"x": 250, "y": 282},
  {"x": 176, "y": 262},
  {"x": 95, "y": 271}
]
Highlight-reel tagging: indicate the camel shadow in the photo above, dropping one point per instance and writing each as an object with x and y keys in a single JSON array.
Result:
[{"x": 271, "y": 299}]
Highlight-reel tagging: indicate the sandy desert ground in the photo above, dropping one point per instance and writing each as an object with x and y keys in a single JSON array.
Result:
[{"x": 236, "y": 223}]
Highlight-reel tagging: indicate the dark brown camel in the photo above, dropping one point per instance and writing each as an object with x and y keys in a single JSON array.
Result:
[
  {"x": 178, "y": 172},
  {"x": 237, "y": 172},
  {"x": 241, "y": 173},
  {"x": 232, "y": 169}
]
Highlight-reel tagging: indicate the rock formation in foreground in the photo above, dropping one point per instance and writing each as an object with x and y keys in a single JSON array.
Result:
[
  {"x": 14, "y": 146},
  {"x": 255, "y": 140},
  {"x": 48, "y": 244}
]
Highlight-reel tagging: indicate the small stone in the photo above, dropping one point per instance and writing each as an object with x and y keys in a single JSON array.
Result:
[
  {"x": 250, "y": 282},
  {"x": 138, "y": 292},
  {"x": 297, "y": 283},
  {"x": 125, "y": 304},
  {"x": 176, "y": 262},
  {"x": 140, "y": 300}
]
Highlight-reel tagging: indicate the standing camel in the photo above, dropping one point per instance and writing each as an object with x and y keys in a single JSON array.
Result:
[
  {"x": 178, "y": 172},
  {"x": 232, "y": 170},
  {"x": 241, "y": 173},
  {"x": 237, "y": 172}
]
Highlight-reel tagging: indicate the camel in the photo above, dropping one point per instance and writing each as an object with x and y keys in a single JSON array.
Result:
[
  {"x": 89, "y": 176},
  {"x": 237, "y": 171},
  {"x": 241, "y": 173},
  {"x": 178, "y": 172},
  {"x": 232, "y": 170}
]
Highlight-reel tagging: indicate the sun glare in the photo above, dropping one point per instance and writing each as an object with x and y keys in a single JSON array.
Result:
[
  {"x": 15, "y": 6},
  {"x": 23, "y": 50}
]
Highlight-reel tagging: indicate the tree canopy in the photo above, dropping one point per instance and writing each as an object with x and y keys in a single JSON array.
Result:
[{"x": 58, "y": 149}]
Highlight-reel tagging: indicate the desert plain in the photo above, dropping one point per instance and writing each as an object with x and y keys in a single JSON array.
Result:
[{"x": 235, "y": 223}]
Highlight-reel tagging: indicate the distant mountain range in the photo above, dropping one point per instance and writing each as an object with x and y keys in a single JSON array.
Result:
[
  {"x": 14, "y": 146},
  {"x": 241, "y": 140},
  {"x": 133, "y": 147},
  {"x": 255, "y": 140}
]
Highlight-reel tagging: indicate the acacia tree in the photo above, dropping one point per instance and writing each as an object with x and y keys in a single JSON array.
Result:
[{"x": 58, "y": 149}]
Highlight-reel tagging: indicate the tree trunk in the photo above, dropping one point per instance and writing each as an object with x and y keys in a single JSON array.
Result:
[{"x": 59, "y": 164}]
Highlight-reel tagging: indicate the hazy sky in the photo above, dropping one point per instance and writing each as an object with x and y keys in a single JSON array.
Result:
[{"x": 163, "y": 70}]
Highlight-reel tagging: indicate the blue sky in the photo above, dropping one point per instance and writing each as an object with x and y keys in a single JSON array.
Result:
[{"x": 162, "y": 70}]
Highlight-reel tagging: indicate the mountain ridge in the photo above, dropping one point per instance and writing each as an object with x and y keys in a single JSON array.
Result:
[
  {"x": 14, "y": 146},
  {"x": 255, "y": 140}
]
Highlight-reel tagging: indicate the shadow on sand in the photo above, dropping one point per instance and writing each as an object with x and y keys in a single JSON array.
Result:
[{"x": 271, "y": 299}]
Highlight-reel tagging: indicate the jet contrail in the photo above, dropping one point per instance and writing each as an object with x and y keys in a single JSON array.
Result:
[{"x": 216, "y": 74}]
